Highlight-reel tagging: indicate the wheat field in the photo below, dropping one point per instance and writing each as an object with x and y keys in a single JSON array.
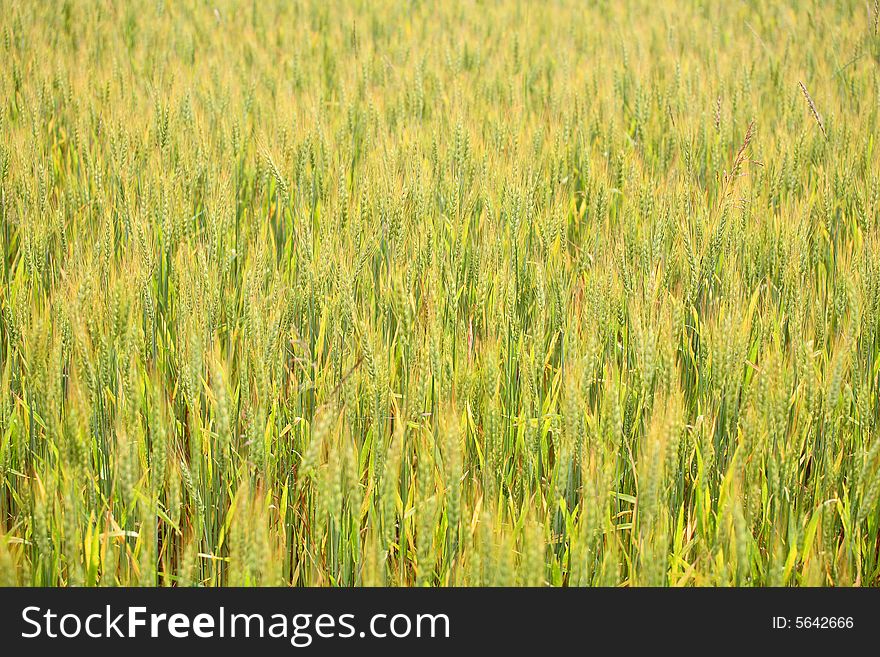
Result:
[{"x": 428, "y": 294}]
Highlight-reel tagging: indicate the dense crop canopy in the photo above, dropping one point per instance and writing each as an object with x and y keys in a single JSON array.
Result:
[{"x": 455, "y": 293}]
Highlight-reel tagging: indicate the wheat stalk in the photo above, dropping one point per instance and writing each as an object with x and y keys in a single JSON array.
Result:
[{"x": 813, "y": 109}]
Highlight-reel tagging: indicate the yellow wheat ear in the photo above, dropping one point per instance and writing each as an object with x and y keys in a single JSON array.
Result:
[{"x": 813, "y": 109}]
